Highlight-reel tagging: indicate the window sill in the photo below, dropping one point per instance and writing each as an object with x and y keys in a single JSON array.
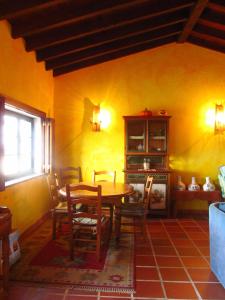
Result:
[{"x": 21, "y": 179}]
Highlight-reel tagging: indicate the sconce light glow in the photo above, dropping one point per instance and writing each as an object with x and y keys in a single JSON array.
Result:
[
  {"x": 104, "y": 117},
  {"x": 96, "y": 123},
  {"x": 101, "y": 118},
  {"x": 210, "y": 118},
  {"x": 219, "y": 119}
]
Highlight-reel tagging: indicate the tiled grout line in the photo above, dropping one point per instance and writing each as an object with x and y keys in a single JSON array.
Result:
[
  {"x": 185, "y": 269},
  {"x": 98, "y": 297},
  {"x": 65, "y": 293},
  {"x": 196, "y": 247},
  {"x": 156, "y": 264},
  {"x": 187, "y": 299},
  {"x": 108, "y": 297}
]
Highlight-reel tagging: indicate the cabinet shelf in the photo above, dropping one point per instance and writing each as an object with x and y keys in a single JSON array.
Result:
[
  {"x": 147, "y": 171},
  {"x": 158, "y": 137},
  {"x": 133, "y": 137},
  {"x": 143, "y": 153}
]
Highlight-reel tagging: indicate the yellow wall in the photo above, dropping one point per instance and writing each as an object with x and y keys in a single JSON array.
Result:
[
  {"x": 25, "y": 80},
  {"x": 184, "y": 79}
]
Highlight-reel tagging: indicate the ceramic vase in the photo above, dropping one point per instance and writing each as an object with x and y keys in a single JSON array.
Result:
[
  {"x": 208, "y": 186},
  {"x": 180, "y": 185},
  {"x": 193, "y": 186},
  {"x": 146, "y": 164}
]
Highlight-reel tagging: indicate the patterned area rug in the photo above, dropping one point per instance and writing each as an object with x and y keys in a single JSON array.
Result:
[{"x": 47, "y": 262}]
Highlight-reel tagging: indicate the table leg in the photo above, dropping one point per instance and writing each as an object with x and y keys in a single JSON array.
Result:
[{"x": 117, "y": 223}]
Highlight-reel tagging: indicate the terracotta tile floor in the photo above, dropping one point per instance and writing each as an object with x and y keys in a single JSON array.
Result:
[{"x": 173, "y": 264}]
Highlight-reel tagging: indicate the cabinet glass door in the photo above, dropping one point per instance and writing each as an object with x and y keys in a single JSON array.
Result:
[
  {"x": 136, "y": 130},
  {"x": 136, "y": 162},
  {"x": 157, "y": 131}
]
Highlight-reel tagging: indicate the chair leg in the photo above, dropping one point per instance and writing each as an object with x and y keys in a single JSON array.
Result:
[
  {"x": 117, "y": 225},
  {"x": 98, "y": 248},
  {"x": 53, "y": 226},
  {"x": 111, "y": 217},
  {"x": 60, "y": 223},
  {"x": 71, "y": 247}
]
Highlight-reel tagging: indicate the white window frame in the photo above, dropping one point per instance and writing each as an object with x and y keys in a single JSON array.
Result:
[
  {"x": 42, "y": 126},
  {"x": 36, "y": 141}
]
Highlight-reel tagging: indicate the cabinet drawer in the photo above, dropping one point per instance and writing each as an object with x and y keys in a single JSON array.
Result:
[
  {"x": 141, "y": 178},
  {"x": 137, "y": 177},
  {"x": 159, "y": 177}
]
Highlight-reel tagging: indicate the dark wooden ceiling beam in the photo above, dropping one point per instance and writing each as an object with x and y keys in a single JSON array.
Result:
[
  {"x": 113, "y": 46},
  {"x": 213, "y": 16},
  {"x": 71, "y": 14},
  {"x": 217, "y": 7},
  {"x": 193, "y": 19},
  {"x": 206, "y": 44},
  {"x": 210, "y": 31},
  {"x": 111, "y": 35},
  {"x": 115, "y": 55},
  {"x": 103, "y": 42},
  {"x": 85, "y": 28},
  {"x": 209, "y": 38},
  {"x": 212, "y": 24},
  {"x": 14, "y": 8}
]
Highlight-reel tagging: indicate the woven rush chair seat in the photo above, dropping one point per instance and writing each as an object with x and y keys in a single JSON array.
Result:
[
  {"x": 87, "y": 221},
  {"x": 61, "y": 206}
]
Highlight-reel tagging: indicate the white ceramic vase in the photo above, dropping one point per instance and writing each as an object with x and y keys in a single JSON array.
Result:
[
  {"x": 208, "y": 186},
  {"x": 193, "y": 186},
  {"x": 180, "y": 185},
  {"x": 146, "y": 164}
]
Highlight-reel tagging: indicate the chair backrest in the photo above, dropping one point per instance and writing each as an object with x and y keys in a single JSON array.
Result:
[
  {"x": 104, "y": 176},
  {"x": 70, "y": 175},
  {"x": 53, "y": 187},
  {"x": 88, "y": 197},
  {"x": 147, "y": 192}
]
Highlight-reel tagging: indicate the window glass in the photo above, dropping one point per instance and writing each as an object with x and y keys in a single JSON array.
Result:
[{"x": 22, "y": 144}]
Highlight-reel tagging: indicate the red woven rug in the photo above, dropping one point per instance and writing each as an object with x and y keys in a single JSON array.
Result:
[{"x": 47, "y": 262}]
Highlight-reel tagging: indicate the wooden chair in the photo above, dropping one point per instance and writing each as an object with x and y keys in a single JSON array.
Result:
[
  {"x": 58, "y": 207},
  {"x": 88, "y": 229},
  {"x": 70, "y": 175},
  {"x": 137, "y": 211},
  {"x": 102, "y": 176}
]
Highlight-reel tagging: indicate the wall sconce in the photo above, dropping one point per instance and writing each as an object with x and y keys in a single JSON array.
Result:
[
  {"x": 219, "y": 119},
  {"x": 96, "y": 123}
]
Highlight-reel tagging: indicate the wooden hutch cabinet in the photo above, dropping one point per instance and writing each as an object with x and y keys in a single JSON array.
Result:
[{"x": 146, "y": 153}]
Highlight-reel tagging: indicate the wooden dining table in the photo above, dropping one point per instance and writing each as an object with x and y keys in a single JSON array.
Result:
[{"x": 112, "y": 193}]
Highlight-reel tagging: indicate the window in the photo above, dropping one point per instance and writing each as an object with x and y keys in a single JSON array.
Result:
[
  {"x": 26, "y": 139},
  {"x": 22, "y": 144}
]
